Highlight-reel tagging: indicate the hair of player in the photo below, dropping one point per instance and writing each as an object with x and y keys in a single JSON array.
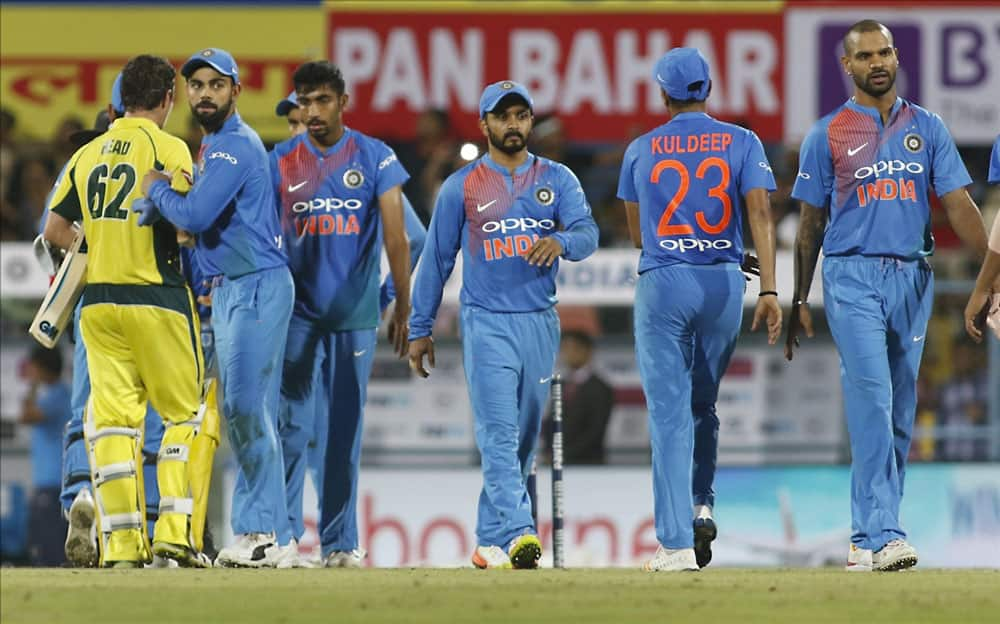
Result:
[
  {"x": 865, "y": 26},
  {"x": 678, "y": 104},
  {"x": 49, "y": 360},
  {"x": 316, "y": 74},
  {"x": 146, "y": 79}
]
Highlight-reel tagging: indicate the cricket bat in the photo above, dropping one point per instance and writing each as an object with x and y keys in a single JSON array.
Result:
[{"x": 65, "y": 290}]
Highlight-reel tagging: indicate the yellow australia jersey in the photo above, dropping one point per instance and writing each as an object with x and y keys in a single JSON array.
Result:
[{"x": 102, "y": 180}]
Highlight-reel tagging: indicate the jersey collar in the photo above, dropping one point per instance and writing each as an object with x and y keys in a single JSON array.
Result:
[
  {"x": 330, "y": 150},
  {"x": 689, "y": 115},
  {"x": 492, "y": 164},
  {"x": 231, "y": 124},
  {"x": 872, "y": 112},
  {"x": 134, "y": 122}
]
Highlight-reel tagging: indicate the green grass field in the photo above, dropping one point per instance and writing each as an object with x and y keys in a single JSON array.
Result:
[{"x": 713, "y": 596}]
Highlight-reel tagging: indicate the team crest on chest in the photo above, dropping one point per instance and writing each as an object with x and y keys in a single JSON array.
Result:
[
  {"x": 353, "y": 178},
  {"x": 545, "y": 196},
  {"x": 913, "y": 142}
]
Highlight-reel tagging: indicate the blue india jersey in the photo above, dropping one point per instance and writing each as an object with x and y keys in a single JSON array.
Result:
[
  {"x": 494, "y": 218},
  {"x": 875, "y": 180},
  {"x": 330, "y": 218},
  {"x": 689, "y": 177}
]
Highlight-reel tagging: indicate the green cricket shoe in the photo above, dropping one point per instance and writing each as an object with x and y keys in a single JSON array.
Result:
[
  {"x": 184, "y": 556},
  {"x": 525, "y": 551}
]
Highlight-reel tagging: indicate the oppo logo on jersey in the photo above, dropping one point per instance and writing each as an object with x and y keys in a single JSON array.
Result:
[
  {"x": 888, "y": 167},
  {"x": 521, "y": 224},
  {"x": 326, "y": 204},
  {"x": 685, "y": 245},
  {"x": 887, "y": 188}
]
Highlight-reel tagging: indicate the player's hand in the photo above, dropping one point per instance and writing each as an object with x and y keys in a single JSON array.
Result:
[
  {"x": 152, "y": 176},
  {"x": 147, "y": 211},
  {"x": 185, "y": 238},
  {"x": 768, "y": 311},
  {"x": 800, "y": 319},
  {"x": 419, "y": 348},
  {"x": 545, "y": 251},
  {"x": 981, "y": 306},
  {"x": 399, "y": 329}
]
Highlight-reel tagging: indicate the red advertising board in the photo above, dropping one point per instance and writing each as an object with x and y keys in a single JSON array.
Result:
[{"x": 591, "y": 67}]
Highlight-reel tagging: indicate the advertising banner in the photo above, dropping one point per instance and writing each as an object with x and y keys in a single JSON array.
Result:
[
  {"x": 589, "y": 63},
  {"x": 788, "y": 517},
  {"x": 949, "y": 63},
  {"x": 58, "y": 60}
]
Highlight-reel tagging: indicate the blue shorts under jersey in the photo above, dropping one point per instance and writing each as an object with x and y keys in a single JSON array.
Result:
[
  {"x": 876, "y": 179},
  {"x": 689, "y": 177}
]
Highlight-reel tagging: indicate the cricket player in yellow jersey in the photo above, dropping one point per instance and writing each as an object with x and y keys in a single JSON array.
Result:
[{"x": 138, "y": 320}]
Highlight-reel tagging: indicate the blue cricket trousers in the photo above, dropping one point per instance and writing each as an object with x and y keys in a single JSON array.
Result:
[
  {"x": 687, "y": 318},
  {"x": 250, "y": 316},
  {"x": 509, "y": 359},
  {"x": 878, "y": 309}
]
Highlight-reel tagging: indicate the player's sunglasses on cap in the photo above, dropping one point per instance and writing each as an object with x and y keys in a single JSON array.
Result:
[
  {"x": 102, "y": 122},
  {"x": 497, "y": 91},
  {"x": 216, "y": 58},
  {"x": 286, "y": 105},
  {"x": 680, "y": 71}
]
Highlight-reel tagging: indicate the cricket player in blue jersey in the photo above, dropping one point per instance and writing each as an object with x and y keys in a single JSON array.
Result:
[
  {"x": 865, "y": 174},
  {"x": 239, "y": 248},
  {"x": 513, "y": 215},
  {"x": 988, "y": 280},
  {"x": 340, "y": 194},
  {"x": 289, "y": 109},
  {"x": 683, "y": 184}
]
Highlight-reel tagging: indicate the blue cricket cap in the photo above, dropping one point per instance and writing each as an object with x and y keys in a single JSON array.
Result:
[
  {"x": 216, "y": 58},
  {"x": 116, "y": 96},
  {"x": 286, "y": 105},
  {"x": 679, "y": 70},
  {"x": 497, "y": 91}
]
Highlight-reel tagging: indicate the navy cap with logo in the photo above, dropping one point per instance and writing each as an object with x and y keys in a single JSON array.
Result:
[
  {"x": 286, "y": 105},
  {"x": 216, "y": 58},
  {"x": 497, "y": 91},
  {"x": 683, "y": 74}
]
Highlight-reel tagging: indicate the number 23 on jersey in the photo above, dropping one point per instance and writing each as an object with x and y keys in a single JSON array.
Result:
[{"x": 671, "y": 226}]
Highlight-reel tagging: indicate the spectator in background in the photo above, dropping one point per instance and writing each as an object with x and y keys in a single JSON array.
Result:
[
  {"x": 30, "y": 183},
  {"x": 7, "y": 148},
  {"x": 962, "y": 404},
  {"x": 587, "y": 403},
  {"x": 63, "y": 146},
  {"x": 430, "y": 158},
  {"x": 46, "y": 409}
]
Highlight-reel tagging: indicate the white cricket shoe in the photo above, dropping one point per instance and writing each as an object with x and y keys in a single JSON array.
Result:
[
  {"x": 859, "y": 559},
  {"x": 491, "y": 558},
  {"x": 81, "y": 538},
  {"x": 288, "y": 556},
  {"x": 159, "y": 561},
  {"x": 345, "y": 558},
  {"x": 671, "y": 560},
  {"x": 251, "y": 550},
  {"x": 894, "y": 556}
]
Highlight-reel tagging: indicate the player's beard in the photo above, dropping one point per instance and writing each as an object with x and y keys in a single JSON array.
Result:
[
  {"x": 866, "y": 85},
  {"x": 211, "y": 121},
  {"x": 510, "y": 148}
]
